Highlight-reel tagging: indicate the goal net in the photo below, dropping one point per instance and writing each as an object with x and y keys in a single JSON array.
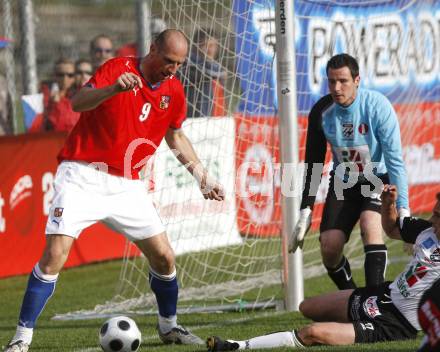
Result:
[{"x": 229, "y": 255}]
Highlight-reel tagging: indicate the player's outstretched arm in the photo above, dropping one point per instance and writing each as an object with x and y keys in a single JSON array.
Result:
[
  {"x": 389, "y": 212},
  {"x": 185, "y": 153},
  {"x": 88, "y": 98}
]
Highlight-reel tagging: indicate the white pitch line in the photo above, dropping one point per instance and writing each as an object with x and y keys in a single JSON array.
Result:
[{"x": 195, "y": 328}]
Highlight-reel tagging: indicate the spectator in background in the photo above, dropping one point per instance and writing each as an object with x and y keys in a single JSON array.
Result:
[
  {"x": 101, "y": 50},
  {"x": 58, "y": 114},
  {"x": 6, "y": 111},
  {"x": 203, "y": 77},
  {"x": 157, "y": 25},
  {"x": 83, "y": 72}
]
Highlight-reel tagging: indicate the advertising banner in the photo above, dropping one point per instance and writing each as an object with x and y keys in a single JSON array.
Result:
[
  {"x": 28, "y": 169},
  {"x": 399, "y": 55},
  {"x": 192, "y": 222},
  {"x": 397, "y": 48}
]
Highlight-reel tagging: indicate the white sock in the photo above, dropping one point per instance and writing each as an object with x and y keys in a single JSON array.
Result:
[
  {"x": 166, "y": 324},
  {"x": 23, "y": 334},
  {"x": 277, "y": 339}
]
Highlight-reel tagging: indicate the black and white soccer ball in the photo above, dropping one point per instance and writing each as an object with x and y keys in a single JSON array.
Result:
[{"x": 120, "y": 334}]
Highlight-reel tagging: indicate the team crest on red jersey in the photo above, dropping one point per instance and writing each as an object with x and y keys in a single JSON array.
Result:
[
  {"x": 164, "y": 102},
  {"x": 58, "y": 212}
]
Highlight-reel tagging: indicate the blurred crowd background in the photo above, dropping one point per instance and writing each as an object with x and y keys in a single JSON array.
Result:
[{"x": 49, "y": 48}]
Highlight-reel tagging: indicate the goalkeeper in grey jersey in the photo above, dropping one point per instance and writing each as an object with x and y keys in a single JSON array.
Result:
[
  {"x": 387, "y": 312},
  {"x": 362, "y": 129}
]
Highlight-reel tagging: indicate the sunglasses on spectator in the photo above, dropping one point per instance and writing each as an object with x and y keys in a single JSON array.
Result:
[
  {"x": 63, "y": 74},
  {"x": 103, "y": 50},
  {"x": 82, "y": 72}
]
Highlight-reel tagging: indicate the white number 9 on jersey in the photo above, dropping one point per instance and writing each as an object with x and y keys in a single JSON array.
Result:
[{"x": 145, "y": 111}]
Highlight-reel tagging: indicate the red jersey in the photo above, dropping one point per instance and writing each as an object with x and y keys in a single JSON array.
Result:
[{"x": 126, "y": 129}]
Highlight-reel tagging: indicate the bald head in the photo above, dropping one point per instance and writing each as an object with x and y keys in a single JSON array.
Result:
[
  {"x": 171, "y": 39},
  {"x": 167, "y": 53}
]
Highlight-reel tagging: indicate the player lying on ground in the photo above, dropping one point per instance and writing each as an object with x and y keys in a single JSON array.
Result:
[{"x": 366, "y": 315}]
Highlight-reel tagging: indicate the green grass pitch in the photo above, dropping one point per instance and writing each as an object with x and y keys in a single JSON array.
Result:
[{"x": 84, "y": 287}]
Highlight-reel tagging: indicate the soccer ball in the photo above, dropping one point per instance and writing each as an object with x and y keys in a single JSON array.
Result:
[{"x": 119, "y": 334}]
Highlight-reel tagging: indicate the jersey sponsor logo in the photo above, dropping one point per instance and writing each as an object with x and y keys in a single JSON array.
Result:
[
  {"x": 413, "y": 275},
  {"x": 359, "y": 156},
  {"x": 363, "y": 128},
  {"x": 435, "y": 256},
  {"x": 347, "y": 130},
  {"x": 135, "y": 90},
  {"x": 402, "y": 286},
  {"x": 371, "y": 308},
  {"x": 164, "y": 102},
  {"x": 58, "y": 212},
  {"x": 428, "y": 243}
]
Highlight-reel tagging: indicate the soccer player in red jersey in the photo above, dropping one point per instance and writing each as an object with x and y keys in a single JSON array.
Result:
[{"x": 127, "y": 108}]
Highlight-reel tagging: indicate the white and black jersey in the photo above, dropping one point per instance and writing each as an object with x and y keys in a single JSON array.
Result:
[{"x": 420, "y": 273}]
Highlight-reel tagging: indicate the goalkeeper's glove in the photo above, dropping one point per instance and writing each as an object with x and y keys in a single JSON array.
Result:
[
  {"x": 403, "y": 213},
  {"x": 296, "y": 238}
]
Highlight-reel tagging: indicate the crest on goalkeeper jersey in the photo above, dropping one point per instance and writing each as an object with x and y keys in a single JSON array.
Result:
[
  {"x": 164, "y": 102},
  {"x": 58, "y": 212},
  {"x": 347, "y": 130},
  {"x": 363, "y": 128}
]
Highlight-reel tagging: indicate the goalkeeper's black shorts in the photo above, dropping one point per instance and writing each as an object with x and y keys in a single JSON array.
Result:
[
  {"x": 375, "y": 318},
  {"x": 343, "y": 214}
]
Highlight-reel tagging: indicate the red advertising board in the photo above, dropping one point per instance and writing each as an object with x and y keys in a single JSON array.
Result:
[{"x": 28, "y": 168}]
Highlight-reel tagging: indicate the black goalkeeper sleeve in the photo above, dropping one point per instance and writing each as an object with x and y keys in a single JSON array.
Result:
[{"x": 316, "y": 147}]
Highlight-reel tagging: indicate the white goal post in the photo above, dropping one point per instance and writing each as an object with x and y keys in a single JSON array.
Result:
[{"x": 289, "y": 147}]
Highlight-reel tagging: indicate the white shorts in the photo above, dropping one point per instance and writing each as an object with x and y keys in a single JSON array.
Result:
[{"x": 84, "y": 196}]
